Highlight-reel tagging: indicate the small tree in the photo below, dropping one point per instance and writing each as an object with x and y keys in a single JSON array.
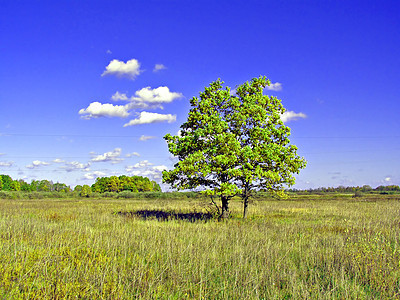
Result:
[
  {"x": 233, "y": 144},
  {"x": 85, "y": 191}
]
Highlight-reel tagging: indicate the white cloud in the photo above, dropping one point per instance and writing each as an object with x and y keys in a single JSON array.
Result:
[
  {"x": 146, "y": 137},
  {"x": 157, "y": 95},
  {"x": 147, "y": 97},
  {"x": 119, "y": 97},
  {"x": 96, "y": 109},
  {"x": 133, "y": 154},
  {"x": 274, "y": 86},
  {"x": 108, "y": 51},
  {"x": 93, "y": 175},
  {"x": 75, "y": 165},
  {"x": 130, "y": 69},
  {"x": 159, "y": 67},
  {"x": 145, "y": 168},
  {"x": 58, "y": 161},
  {"x": 160, "y": 168},
  {"x": 148, "y": 117},
  {"x": 37, "y": 163},
  {"x": 388, "y": 179},
  {"x": 112, "y": 156},
  {"x": 292, "y": 116},
  {"x": 6, "y": 164}
]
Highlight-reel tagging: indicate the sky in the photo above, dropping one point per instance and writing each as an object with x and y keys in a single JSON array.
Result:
[{"x": 89, "y": 88}]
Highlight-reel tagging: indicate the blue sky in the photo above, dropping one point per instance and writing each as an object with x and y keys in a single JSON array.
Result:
[{"x": 89, "y": 88}]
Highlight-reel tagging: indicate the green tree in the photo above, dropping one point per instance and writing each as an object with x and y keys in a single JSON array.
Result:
[
  {"x": 44, "y": 186},
  {"x": 26, "y": 187},
  {"x": 6, "y": 180},
  {"x": 233, "y": 144},
  {"x": 85, "y": 191},
  {"x": 156, "y": 186},
  {"x": 113, "y": 184},
  {"x": 35, "y": 185},
  {"x": 15, "y": 185},
  {"x": 266, "y": 160}
]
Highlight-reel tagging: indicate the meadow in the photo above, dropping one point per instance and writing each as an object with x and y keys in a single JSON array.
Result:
[{"x": 307, "y": 247}]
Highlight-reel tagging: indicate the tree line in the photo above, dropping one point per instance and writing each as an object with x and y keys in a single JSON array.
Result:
[
  {"x": 8, "y": 184},
  {"x": 116, "y": 184},
  {"x": 349, "y": 189},
  {"x": 121, "y": 183}
]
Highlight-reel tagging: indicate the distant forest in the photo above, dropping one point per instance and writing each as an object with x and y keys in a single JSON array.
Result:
[
  {"x": 137, "y": 184},
  {"x": 382, "y": 189},
  {"x": 116, "y": 184}
]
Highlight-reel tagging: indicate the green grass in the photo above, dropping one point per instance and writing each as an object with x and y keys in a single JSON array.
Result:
[{"x": 307, "y": 248}]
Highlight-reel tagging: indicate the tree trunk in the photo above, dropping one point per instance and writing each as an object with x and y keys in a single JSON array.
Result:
[
  {"x": 245, "y": 204},
  {"x": 225, "y": 207}
]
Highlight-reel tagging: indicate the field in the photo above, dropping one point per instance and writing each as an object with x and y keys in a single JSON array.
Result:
[{"x": 310, "y": 247}]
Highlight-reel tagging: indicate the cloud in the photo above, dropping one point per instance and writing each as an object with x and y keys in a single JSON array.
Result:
[
  {"x": 75, "y": 166},
  {"x": 130, "y": 69},
  {"x": 388, "y": 179},
  {"x": 109, "y": 51},
  {"x": 145, "y": 168},
  {"x": 112, "y": 156},
  {"x": 292, "y": 116},
  {"x": 146, "y": 137},
  {"x": 119, "y": 97},
  {"x": 159, "y": 67},
  {"x": 93, "y": 175},
  {"x": 58, "y": 161},
  {"x": 6, "y": 164},
  {"x": 96, "y": 109},
  {"x": 157, "y": 95},
  {"x": 37, "y": 163},
  {"x": 139, "y": 165},
  {"x": 148, "y": 117},
  {"x": 145, "y": 98},
  {"x": 274, "y": 87},
  {"x": 133, "y": 154},
  {"x": 148, "y": 97}
]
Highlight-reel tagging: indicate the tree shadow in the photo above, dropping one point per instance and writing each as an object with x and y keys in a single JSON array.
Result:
[{"x": 167, "y": 215}]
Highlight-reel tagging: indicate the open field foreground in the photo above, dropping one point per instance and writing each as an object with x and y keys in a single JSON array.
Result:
[{"x": 309, "y": 248}]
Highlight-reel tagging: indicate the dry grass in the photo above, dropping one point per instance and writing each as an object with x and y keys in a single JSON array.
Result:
[{"x": 314, "y": 248}]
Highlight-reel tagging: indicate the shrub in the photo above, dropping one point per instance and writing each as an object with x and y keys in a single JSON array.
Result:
[
  {"x": 126, "y": 194},
  {"x": 109, "y": 195}
]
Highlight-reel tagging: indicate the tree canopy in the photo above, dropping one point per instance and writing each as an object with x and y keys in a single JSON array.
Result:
[
  {"x": 234, "y": 144},
  {"x": 125, "y": 183}
]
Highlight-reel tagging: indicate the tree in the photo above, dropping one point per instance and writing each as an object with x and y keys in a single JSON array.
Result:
[
  {"x": 85, "y": 191},
  {"x": 233, "y": 145},
  {"x": 266, "y": 160},
  {"x": 6, "y": 182},
  {"x": 15, "y": 185},
  {"x": 26, "y": 187},
  {"x": 124, "y": 183}
]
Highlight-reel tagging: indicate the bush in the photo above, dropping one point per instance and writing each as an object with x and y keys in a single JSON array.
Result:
[
  {"x": 127, "y": 194},
  {"x": 7, "y": 195},
  {"x": 95, "y": 195},
  {"x": 109, "y": 195}
]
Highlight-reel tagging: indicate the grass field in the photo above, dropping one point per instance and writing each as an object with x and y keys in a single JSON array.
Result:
[{"x": 306, "y": 248}]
